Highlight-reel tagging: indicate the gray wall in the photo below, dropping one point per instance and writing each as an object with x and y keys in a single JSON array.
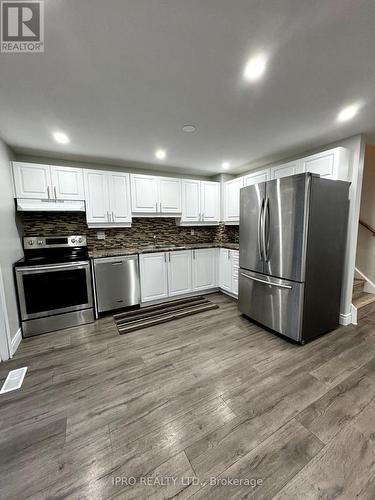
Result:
[
  {"x": 10, "y": 242},
  {"x": 365, "y": 261}
]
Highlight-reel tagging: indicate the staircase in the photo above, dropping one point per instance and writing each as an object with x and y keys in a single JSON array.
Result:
[{"x": 364, "y": 302}]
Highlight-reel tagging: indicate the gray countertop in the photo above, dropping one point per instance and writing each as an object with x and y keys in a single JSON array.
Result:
[{"x": 114, "y": 252}]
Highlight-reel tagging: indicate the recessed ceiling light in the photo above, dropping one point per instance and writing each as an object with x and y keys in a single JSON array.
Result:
[
  {"x": 348, "y": 113},
  {"x": 225, "y": 165},
  {"x": 255, "y": 67},
  {"x": 160, "y": 154},
  {"x": 61, "y": 137},
  {"x": 189, "y": 128}
]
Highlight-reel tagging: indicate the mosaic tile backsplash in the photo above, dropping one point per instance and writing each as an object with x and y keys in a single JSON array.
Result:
[{"x": 141, "y": 234}]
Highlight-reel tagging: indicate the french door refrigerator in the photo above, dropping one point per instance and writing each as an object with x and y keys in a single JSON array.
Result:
[{"x": 292, "y": 249}]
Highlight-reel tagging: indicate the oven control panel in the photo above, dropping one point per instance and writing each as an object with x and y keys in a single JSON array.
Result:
[{"x": 35, "y": 242}]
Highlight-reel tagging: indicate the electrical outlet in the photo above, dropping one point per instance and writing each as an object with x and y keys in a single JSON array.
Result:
[
  {"x": 192, "y": 232},
  {"x": 100, "y": 235}
]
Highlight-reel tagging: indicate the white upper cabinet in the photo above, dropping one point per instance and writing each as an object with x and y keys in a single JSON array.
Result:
[
  {"x": 107, "y": 198},
  {"x": 179, "y": 272},
  {"x": 287, "y": 169},
  {"x": 47, "y": 182},
  {"x": 144, "y": 194},
  {"x": 155, "y": 195},
  {"x": 332, "y": 164},
  {"x": 67, "y": 183},
  {"x": 256, "y": 177},
  {"x": 204, "y": 268},
  {"x": 119, "y": 197},
  {"x": 32, "y": 180},
  {"x": 200, "y": 202},
  {"x": 191, "y": 207},
  {"x": 232, "y": 199},
  {"x": 210, "y": 201},
  {"x": 170, "y": 195}
]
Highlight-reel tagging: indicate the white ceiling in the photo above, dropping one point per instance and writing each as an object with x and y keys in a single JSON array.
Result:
[{"x": 121, "y": 78}]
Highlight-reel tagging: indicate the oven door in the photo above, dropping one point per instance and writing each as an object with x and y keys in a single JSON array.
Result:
[{"x": 54, "y": 289}]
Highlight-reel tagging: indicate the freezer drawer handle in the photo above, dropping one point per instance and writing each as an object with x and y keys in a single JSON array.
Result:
[
  {"x": 118, "y": 263},
  {"x": 266, "y": 282}
]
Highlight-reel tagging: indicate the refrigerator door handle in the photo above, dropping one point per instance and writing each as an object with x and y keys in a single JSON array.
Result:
[
  {"x": 279, "y": 285},
  {"x": 260, "y": 231},
  {"x": 266, "y": 230}
]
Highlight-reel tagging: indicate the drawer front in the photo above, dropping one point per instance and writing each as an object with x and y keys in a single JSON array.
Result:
[{"x": 275, "y": 303}]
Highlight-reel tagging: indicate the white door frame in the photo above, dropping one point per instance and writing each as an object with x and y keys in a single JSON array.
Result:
[{"x": 5, "y": 341}]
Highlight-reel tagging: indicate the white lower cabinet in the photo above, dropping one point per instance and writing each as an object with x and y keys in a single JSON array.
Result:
[
  {"x": 204, "y": 268},
  {"x": 169, "y": 274},
  {"x": 228, "y": 270},
  {"x": 154, "y": 278},
  {"x": 179, "y": 272}
]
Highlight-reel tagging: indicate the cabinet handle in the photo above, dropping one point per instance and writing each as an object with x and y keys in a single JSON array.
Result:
[
  {"x": 113, "y": 217},
  {"x": 156, "y": 206},
  {"x": 194, "y": 254},
  {"x": 228, "y": 254},
  {"x": 169, "y": 257},
  {"x": 48, "y": 194},
  {"x": 165, "y": 257},
  {"x": 108, "y": 218},
  {"x": 54, "y": 190},
  {"x": 203, "y": 216},
  {"x": 160, "y": 206}
]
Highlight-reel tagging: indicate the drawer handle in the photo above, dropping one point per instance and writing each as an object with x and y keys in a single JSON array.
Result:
[
  {"x": 117, "y": 263},
  {"x": 266, "y": 282}
]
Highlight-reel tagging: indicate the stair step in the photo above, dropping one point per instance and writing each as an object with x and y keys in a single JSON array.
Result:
[
  {"x": 365, "y": 304},
  {"x": 358, "y": 285}
]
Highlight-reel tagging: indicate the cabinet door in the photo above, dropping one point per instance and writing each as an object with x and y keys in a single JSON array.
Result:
[
  {"x": 234, "y": 255},
  {"x": 225, "y": 270},
  {"x": 190, "y": 201},
  {"x": 119, "y": 197},
  {"x": 144, "y": 190},
  {"x": 257, "y": 177},
  {"x": 97, "y": 198},
  {"x": 170, "y": 195},
  {"x": 67, "y": 183},
  {"x": 232, "y": 200},
  {"x": 32, "y": 180},
  {"x": 179, "y": 272},
  {"x": 291, "y": 168},
  {"x": 210, "y": 201},
  {"x": 153, "y": 271},
  {"x": 204, "y": 265}
]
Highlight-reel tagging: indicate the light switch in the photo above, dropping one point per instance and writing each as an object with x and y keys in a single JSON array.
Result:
[{"x": 100, "y": 235}]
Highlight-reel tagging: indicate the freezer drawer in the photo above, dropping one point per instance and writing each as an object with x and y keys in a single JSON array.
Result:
[
  {"x": 275, "y": 303},
  {"x": 117, "y": 282}
]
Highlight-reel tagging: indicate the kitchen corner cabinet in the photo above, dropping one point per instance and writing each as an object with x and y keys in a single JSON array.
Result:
[
  {"x": 204, "y": 268},
  {"x": 107, "y": 199},
  {"x": 232, "y": 200},
  {"x": 47, "y": 182},
  {"x": 152, "y": 195},
  {"x": 200, "y": 202},
  {"x": 228, "y": 270}
]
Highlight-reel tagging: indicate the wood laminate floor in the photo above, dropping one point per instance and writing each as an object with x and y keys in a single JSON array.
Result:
[{"x": 198, "y": 404}]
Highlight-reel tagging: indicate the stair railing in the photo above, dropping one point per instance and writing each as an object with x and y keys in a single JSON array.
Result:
[{"x": 367, "y": 226}]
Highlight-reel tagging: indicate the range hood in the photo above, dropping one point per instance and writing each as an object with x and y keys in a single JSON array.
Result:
[{"x": 31, "y": 205}]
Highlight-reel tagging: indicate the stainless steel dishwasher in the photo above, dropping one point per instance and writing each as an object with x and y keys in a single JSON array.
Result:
[{"x": 116, "y": 282}]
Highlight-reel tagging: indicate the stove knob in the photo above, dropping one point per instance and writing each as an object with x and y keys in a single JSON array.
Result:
[
  {"x": 73, "y": 240},
  {"x": 40, "y": 242},
  {"x": 31, "y": 242},
  {"x": 79, "y": 240}
]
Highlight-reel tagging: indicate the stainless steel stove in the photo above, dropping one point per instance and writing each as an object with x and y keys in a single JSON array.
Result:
[{"x": 54, "y": 284}]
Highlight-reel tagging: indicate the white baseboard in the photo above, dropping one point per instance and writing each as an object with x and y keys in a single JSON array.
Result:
[
  {"x": 16, "y": 340},
  {"x": 345, "y": 319},
  {"x": 369, "y": 286}
]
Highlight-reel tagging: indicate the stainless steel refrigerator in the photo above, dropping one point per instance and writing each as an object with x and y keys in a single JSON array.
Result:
[{"x": 292, "y": 249}]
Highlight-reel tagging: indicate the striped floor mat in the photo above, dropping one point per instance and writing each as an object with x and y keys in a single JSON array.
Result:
[{"x": 154, "y": 315}]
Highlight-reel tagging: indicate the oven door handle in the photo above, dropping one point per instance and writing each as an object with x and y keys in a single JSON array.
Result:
[{"x": 78, "y": 265}]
